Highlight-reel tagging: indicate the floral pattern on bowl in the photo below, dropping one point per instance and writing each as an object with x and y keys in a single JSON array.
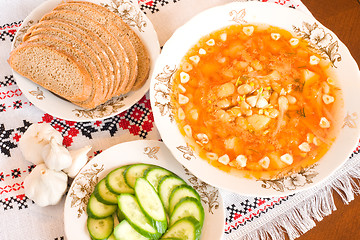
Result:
[
  {"x": 129, "y": 13},
  {"x": 292, "y": 180},
  {"x": 162, "y": 91},
  {"x": 83, "y": 186},
  {"x": 320, "y": 40}
]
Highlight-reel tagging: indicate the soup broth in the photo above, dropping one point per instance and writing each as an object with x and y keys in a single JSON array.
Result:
[{"x": 256, "y": 99}]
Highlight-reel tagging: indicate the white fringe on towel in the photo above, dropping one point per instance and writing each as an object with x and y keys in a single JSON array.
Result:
[{"x": 301, "y": 218}]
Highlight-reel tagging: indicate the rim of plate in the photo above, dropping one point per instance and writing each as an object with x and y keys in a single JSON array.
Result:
[
  {"x": 45, "y": 100},
  {"x": 238, "y": 13},
  {"x": 139, "y": 151}
]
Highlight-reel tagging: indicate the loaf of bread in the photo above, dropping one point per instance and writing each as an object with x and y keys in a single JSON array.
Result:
[{"x": 84, "y": 53}]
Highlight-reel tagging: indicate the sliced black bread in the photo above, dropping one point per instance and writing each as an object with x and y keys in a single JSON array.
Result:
[
  {"x": 141, "y": 51},
  {"x": 115, "y": 30},
  {"x": 105, "y": 55},
  {"x": 113, "y": 45},
  {"x": 96, "y": 97},
  {"x": 52, "y": 69},
  {"x": 101, "y": 76}
]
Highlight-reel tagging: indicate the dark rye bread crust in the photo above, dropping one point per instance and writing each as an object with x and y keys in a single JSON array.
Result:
[
  {"x": 141, "y": 51},
  {"x": 92, "y": 26},
  {"x": 54, "y": 42},
  {"x": 30, "y": 60},
  {"x": 116, "y": 31},
  {"x": 107, "y": 57}
]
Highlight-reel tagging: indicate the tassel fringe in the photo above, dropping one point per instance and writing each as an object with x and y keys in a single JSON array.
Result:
[{"x": 299, "y": 220}]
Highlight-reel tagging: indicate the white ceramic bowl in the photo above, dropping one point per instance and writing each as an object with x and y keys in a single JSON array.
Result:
[
  {"x": 255, "y": 12},
  {"x": 58, "y": 107}
]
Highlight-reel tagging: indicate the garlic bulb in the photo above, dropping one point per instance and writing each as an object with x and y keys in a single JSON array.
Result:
[
  {"x": 56, "y": 156},
  {"x": 45, "y": 186},
  {"x": 79, "y": 159},
  {"x": 35, "y": 138}
]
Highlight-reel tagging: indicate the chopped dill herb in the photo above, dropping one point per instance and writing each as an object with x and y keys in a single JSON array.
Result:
[
  {"x": 241, "y": 79},
  {"x": 254, "y": 150},
  {"x": 301, "y": 112},
  {"x": 238, "y": 82},
  {"x": 299, "y": 84}
]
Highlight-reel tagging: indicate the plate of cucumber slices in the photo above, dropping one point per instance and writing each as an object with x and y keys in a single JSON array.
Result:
[{"x": 137, "y": 190}]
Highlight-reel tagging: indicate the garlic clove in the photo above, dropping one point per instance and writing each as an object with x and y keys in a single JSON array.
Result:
[
  {"x": 56, "y": 156},
  {"x": 31, "y": 150},
  {"x": 79, "y": 159},
  {"x": 35, "y": 138},
  {"x": 46, "y": 132},
  {"x": 45, "y": 186}
]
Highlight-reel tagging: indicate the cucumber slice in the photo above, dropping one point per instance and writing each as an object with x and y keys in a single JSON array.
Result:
[
  {"x": 103, "y": 194},
  {"x": 171, "y": 238},
  {"x": 96, "y": 209},
  {"x": 133, "y": 172},
  {"x": 100, "y": 228},
  {"x": 154, "y": 175},
  {"x": 166, "y": 186},
  {"x": 188, "y": 207},
  {"x": 179, "y": 193},
  {"x": 120, "y": 216},
  {"x": 124, "y": 231},
  {"x": 151, "y": 204},
  {"x": 133, "y": 214},
  {"x": 186, "y": 228},
  {"x": 116, "y": 183},
  {"x": 112, "y": 237}
]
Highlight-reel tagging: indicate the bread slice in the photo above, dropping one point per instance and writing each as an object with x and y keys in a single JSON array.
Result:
[
  {"x": 100, "y": 72},
  {"x": 141, "y": 51},
  {"x": 115, "y": 30},
  {"x": 89, "y": 25},
  {"x": 96, "y": 97},
  {"x": 106, "y": 57},
  {"x": 53, "y": 69}
]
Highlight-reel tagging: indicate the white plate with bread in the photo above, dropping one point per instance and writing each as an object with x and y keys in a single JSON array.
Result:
[{"x": 84, "y": 60}]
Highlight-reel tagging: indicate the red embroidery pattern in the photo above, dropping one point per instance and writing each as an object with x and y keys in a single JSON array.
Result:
[
  {"x": 10, "y": 94},
  {"x": 16, "y": 173},
  {"x": 248, "y": 212},
  {"x": 11, "y": 25},
  {"x": 12, "y": 188},
  {"x": 138, "y": 120}
]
